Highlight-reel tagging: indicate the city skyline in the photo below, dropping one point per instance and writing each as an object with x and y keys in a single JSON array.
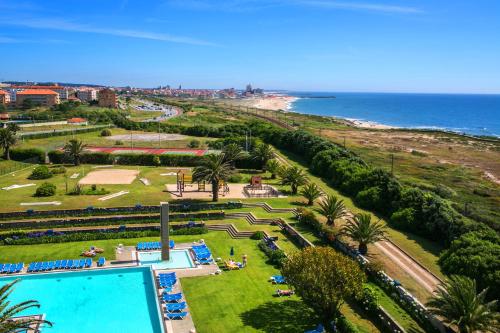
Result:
[{"x": 383, "y": 46}]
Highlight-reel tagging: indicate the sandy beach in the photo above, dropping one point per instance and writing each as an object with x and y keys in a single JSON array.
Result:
[{"x": 272, "y": 102}]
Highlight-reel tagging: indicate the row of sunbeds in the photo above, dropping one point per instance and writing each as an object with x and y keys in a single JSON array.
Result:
[
  {"x": 202, "y": 254},
  {"x": 148, "y": 246},
  {"x": 174, "y": 306},
  {"x": 42, "y": 266},
  {"x": 11, "y": 268}
]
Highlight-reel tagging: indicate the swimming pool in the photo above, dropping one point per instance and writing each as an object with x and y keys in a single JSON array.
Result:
[
  {"x": 178, "y": 259},
  {"x": 121, "y": 300}
]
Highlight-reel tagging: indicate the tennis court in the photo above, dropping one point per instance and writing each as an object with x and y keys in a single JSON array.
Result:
[{"x": 154, "y": 151}]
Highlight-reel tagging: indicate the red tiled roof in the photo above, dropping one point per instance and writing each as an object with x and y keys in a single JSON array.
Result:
[
  {"x": 38, "y": 87},
  {"x": 37, "y": 92}
]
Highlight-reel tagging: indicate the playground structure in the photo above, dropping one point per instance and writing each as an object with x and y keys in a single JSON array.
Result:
[
  {"x": 256, "y": 189},
  {"x": 186, "y": 180}
]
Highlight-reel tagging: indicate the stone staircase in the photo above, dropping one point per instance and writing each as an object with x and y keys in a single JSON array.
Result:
[
  {"x": 252, "y": 219},
  {"x": 231, "y": 230},
  {"x": 269, "y": 209}
]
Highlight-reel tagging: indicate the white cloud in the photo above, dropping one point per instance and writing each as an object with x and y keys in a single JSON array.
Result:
[{"x": 62, "y": 25}]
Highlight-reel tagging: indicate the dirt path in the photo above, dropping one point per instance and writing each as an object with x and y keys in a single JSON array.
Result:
[{"x": 425, "y": 278}]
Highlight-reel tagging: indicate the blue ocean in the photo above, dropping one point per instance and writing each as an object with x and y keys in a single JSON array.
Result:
[{"x": 470, "y": 114}]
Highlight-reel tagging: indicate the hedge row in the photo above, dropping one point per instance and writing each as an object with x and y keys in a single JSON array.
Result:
[
  {"x": 138, "y": 209},
  {"x": 111, "y": 220},
  {"x": 32, "y": 238},
  {"x": 32, "y": 155},
  {"x": 49, "y": 134}
]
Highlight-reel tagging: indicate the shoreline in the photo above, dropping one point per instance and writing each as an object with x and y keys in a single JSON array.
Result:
[{"x": 284, "y": 103}]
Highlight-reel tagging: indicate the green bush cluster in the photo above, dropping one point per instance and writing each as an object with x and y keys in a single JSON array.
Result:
[
  {"x": 276, "y": 257},
  {"x": 45, "y": 190},
  {"x": 40, "y": 172},
  {"x": 258, "y": 235},
  {"x": 307, "y": 217},
  {"x": 369, "y": 299},
  {"x": 106, "y": 132}
]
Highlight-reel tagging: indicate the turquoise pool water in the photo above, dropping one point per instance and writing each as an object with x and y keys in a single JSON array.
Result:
[
  {"x": 108, "y": 300},
  {"x": 178, "y": 259}
]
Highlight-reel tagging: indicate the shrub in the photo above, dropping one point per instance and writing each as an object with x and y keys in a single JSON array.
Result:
[
  {"x": 40, "y": 172},
  {"x": 106, "y": 132},
  {"x": 404, "y": 219},
  {"x": 369, "y": 298},
  {"x": 258, "y": 235},
  {"x": 276, "y": 257},
  {"x": 118, "y": 143},
  {"x": 194, "y": 144},
  {"x": 57, "y": 156},
  {"x": 345, "y": 326},
  {"x": 156, "y": 161},
  {"x": 32, "y": 155},
  {"x": 58, "y": 170},
  {"x": 45, "y": 190},
  {"x": 235, "y": 178},
  {"x": 306, "y": 216},
  {"x": 190, "y": 231}
]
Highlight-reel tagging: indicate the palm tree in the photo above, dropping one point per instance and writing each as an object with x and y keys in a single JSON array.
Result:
[
  {"x": 273, "y": 167},
  {"x": 7, "y": 312},
  {"x": 214, "y": 169},
  {"x": 74, "y": 149},
  {"x": 263, "y": 153},
  {"x": 311, "y": 192},
  {"x": 332, "y": 208},
  {"x": 363, "y": 231},
  {"x": 233, "y": 152},
  {"x": 7, "y": 139},
  {"x": 294, "y": 177},
  {"x": 458, "y": 302}
]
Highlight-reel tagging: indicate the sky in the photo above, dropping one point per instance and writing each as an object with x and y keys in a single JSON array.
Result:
[{"x": 445, "y": 46}]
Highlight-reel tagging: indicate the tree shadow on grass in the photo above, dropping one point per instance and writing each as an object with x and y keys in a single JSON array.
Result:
[{"x": 280, "y": 317}]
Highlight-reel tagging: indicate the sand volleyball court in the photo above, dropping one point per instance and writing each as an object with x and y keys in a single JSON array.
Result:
[{"x": 109, "y": 177}]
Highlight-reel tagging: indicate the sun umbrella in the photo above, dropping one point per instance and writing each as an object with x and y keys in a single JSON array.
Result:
[{"x": 231, "y": 253}]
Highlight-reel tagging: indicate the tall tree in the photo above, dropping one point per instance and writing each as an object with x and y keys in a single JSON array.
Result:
[
  {"x": 232, "y": 153},
  {"x": 311, "y": 192},
  {"x": 458, "y": 302},
  {"x": 74, "y": 150},
  {"x": 263, "y": 153},
  {"x": 213, "y": 169},
  {"x": 323, "y": 278},
  {"x": 294, "y": 177},
  {"x": 332, "y": 208},
  {"x": 362, "y": 230},
  {"x": 7, "y": 140},
  {"x": 273, "y": 166},
  {"x": 7, "y": 312}
]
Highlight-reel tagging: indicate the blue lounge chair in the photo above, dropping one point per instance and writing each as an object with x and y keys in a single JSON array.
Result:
[
  {"x": 44, "y": 266},
  {"x": 179, "y": 315},
  {"x": 38, "y": 267},
  {"x": 88, "y": 263},
  {"x": 171, "y": 244},
  {"x": 19, "y": 267},
  {"x": 1, "y": 267},
  {"x": 318, "y": 329},
  {"x": 69, "y": 263},
  {"x": 101, "y": 262},
  {"x": 167, "y": 290},
  {"x": 205, "y": 261},
  {"x": 172, "y": 298},
  {"x": 57, "y": 264},
  {"x": 75, "y": 264},
  {"x": 81, "y": 264},
  {"x": 12, "y": 269},
  {"x": 31, "y": 267},
  {"x": 50, "y": 265},
  {"x": 5, "y": 268},
  {"x": 175, "y": 307},
  {"x": 279, "y": 280}
]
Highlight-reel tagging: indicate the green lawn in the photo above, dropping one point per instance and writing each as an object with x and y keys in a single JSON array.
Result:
[{"x": 236, "y": 301}]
